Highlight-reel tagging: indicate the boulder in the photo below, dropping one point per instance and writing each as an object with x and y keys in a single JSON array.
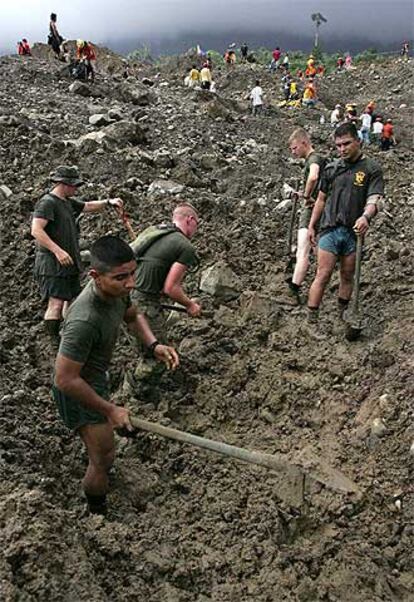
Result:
[
  {"x": 161, "y": 187},
  {"x": 135, "y": 93},
  {"x": 80, "y": 89},
  {"x": 220, "y": 281},
  {"x": 126, "y": 131},
  {"x": 5, "y": 191},
  {"x": 99, "y": 119},
  {"x": 115, "y": 114},
  {"x": 217, "y": 110}
]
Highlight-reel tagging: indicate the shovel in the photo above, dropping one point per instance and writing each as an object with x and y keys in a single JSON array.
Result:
[
  {"x": 354, "y": 320},
  {"x": 293, "y": 478}
]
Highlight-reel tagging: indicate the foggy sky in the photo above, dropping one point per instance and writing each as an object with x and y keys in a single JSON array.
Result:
[{"x": 135, "y": 21}]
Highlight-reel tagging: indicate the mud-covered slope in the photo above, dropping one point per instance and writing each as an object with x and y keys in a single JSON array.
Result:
[{"x": 186, "y": 525}]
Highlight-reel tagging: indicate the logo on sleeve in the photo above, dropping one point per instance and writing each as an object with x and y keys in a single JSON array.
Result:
[{"x": 359, "y": 178}]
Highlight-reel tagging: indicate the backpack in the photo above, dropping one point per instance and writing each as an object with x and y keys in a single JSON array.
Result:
[{"x": 148, "y": 237}]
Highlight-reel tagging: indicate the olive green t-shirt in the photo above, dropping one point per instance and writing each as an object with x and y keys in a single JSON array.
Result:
[
  {"x": 62, "y": 229},
  {"x": 310, "y": 160},
  {"x": 154, "y": 265},
  {"x": 90, "y": 333}
]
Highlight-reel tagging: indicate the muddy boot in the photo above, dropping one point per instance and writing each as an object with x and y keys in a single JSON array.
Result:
[
  {"x": 295, "y": 293},
  {"x": 52, "y": 328},
  {"x": 342, "y": 307},
  {"x": 310, "y": 328},
  {"x": 96, "y": 504}
]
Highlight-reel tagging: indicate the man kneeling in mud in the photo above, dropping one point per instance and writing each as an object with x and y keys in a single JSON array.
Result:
[{"x": 89, "y": 336}]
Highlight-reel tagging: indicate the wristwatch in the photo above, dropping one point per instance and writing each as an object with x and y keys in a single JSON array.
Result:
[
  {"x": 367, "y": 217},
  {"x": 152, "y": 346}
]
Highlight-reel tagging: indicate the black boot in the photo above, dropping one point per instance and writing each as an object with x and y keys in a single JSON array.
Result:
[{"x": 52, "y": 328}]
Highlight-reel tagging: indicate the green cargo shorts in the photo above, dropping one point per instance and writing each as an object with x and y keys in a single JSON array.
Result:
[{"x": 73, "y": 413}]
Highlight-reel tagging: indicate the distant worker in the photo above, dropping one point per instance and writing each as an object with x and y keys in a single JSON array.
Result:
[
  {"x": 311, "y": 61},
  {"x": 194, "y": 77},
  {"x": 320, "y": 71},
  {"x": 256, "y": 96},
  {"x": 337, "y": 115},
  {"x": 276, "y": 54},
  {"x": 309, "y": 95},
  {"x": 285, "y": 62},
  {"x": 205, "y": 77},
  {"x": 86, "y": 53},
  {"x": 351, "y": 194},
  {"x": 405, "y": 50},
  {"x": 377, "y": 130},
  {"x": 387, "y": 137},
  {"x": 365, "y": 129},
  {"x": 348, "y": 62},
  {"x": 340, "y": 63},
  {"x": 23, "y": 48},
  {"x": 244, "y": 51},
  {"x": 164, "y": 254},
  {"x": 301, "y": 148},
  {"x": 293, "y": 91},
  {"x": 310, "y": 70},
  {"x": 54, "y": 38}
]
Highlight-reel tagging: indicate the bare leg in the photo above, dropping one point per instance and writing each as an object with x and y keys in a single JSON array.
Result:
[
  {"x": 100, "y": 445},
  {"x": 346, "y": 276},
  {"x": 302, "y": 257},
  {"x": 326, "y": 265},
  {"x": 54, "y": 309}
]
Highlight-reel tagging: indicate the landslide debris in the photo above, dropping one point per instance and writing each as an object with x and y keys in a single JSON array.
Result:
[{"x": 186, "y": 526}]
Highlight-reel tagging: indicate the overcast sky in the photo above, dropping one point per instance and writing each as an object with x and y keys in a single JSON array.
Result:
[{"x": 112, "y": 20}]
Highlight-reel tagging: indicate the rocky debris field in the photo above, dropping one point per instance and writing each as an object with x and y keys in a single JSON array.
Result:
[{"x": 186, "y": 525}]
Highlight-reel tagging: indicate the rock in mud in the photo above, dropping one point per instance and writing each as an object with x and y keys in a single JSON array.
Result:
[{"x": 220, "y": 281}]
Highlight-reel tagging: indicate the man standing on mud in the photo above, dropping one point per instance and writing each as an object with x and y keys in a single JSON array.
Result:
[
  {"x": 352, "y": 190},
  {"x": 301, "y": 148},
  {"x": 90, "y": 332},
  {"x": 164, "y": 254},
  {"x": 57, "y": 262}
]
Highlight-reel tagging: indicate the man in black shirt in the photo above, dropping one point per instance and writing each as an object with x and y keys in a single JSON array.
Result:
[
  {"x": 351, "y": 192},
  {"x": 57, "y": 262}
]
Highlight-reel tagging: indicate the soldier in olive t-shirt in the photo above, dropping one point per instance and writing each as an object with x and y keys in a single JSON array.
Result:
[
  {"x": 161, "y": 270},
  {"x": 89, "y": 335}
]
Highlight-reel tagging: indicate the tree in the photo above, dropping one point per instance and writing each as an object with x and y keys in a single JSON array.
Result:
[{"x": 318, "y": 19}]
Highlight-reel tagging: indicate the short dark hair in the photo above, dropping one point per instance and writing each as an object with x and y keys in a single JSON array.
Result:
[
  {"x": 109, "y": 252},
  {"x": 53, "y": 16},
  {"x": 346, "y": 129}
]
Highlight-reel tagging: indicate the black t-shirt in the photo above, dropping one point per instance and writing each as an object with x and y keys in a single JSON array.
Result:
[
  {"x": 348, "y": 186},
  {"x": 62, "y": 229}
]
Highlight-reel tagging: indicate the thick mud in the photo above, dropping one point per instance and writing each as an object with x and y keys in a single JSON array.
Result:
[{"x": 186, "y": 525}]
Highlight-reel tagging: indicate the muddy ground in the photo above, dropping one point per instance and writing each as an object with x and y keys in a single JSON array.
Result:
[{"x": 186, "y": 525}]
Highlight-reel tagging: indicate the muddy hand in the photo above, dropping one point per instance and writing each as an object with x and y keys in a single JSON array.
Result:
[
  {"x": 119, "y": 418},
  {"x": 167, "y": 355},
  {"x": 194, "y": 309}
]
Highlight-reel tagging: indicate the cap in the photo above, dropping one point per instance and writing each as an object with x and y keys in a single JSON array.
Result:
[{"x": 67, "y": 174}]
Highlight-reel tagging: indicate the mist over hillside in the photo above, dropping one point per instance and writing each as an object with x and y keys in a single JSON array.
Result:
[{"x": 287, "y": 40}]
